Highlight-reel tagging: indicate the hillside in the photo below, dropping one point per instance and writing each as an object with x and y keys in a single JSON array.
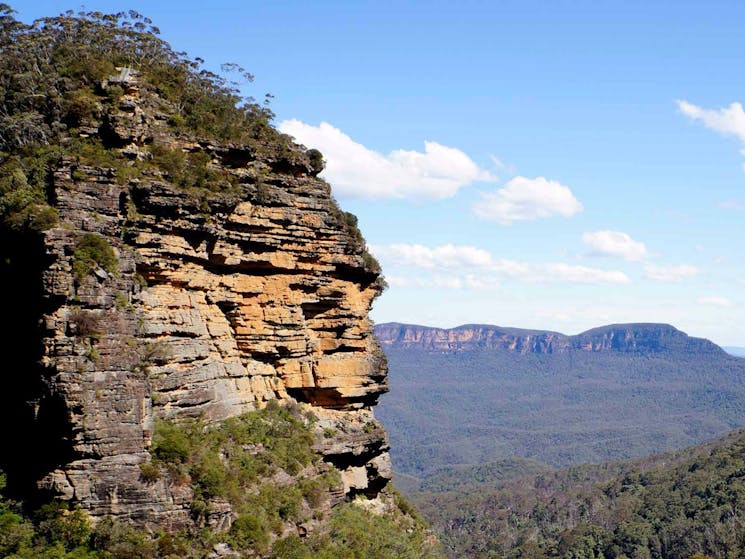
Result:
[
  {"x": 191, "y": 367},
  {"x": 668, "y": 506},
  {"x": 479, "y": 394}
]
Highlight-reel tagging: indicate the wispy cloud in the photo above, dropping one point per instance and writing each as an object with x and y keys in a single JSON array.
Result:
[
  {"x": 356, "y": 171},
  {"x": 729, "y": 121},
  {"x": 452, "y": 282},
  {"x": 670, "y": 273},
  {"x": 477, "y": 267},
  {"x": 614, "y": 243},
  {"x": 735, "y": 205},
  {"x": 523, "y": 199},
  {"x": 444, "y": 256},
  {"x": 715, "y": 301}
]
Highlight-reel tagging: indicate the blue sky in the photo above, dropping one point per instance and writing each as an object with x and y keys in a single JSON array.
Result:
[{"x": 554, "y": 165}]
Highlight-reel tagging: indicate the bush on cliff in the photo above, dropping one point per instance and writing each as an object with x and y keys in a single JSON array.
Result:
[{"x": 93, "y": 252}]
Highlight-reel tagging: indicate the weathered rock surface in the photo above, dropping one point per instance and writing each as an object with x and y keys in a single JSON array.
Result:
[
  {"x": 224, "y": 298},
  {"x": 617, "y": 337}
]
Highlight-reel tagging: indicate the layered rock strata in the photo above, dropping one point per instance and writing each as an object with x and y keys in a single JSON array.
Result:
[{"x": 249, "y": 289}]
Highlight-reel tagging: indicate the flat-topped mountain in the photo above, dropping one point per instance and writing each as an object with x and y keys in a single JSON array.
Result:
[
  {"x": 635, "y": 337},
  {"x": 477, "y": 394}
]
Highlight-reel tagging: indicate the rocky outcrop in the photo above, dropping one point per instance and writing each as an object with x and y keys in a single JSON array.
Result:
[
  {"x": 227, "y": 295},
  {"x": 617, "y": 337}
]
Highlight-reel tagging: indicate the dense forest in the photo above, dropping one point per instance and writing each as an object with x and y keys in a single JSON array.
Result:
[
  {"x": 475, "y": 407},
  {"x": 676, "y": 505}
]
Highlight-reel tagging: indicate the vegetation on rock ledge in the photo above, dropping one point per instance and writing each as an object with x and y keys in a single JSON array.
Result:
[{"x": 242, "y": 460}]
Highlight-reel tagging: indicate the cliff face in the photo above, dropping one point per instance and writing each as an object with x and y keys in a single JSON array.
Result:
[
  {"x": 247, "y": 289},
  {"x": 617, "y": 337}
]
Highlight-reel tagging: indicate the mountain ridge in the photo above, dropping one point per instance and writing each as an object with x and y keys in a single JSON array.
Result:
[{"x": 628, "y": 337}]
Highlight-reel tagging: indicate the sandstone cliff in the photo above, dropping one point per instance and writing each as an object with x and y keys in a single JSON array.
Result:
[
  {"x": 246, "y": 286},
  {"x": 617, "y": 337}
]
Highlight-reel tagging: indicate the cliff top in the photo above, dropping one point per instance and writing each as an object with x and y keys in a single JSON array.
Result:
[{"x": 178, "y": 275}]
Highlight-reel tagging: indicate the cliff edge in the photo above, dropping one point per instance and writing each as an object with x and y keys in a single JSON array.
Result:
[{"x": 159, "y": 273}]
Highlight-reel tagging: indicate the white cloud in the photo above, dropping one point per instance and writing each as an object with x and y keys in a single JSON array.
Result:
[
  {"x": 524, "y": 199},
  {"x": 452, "y": 282},
  {"x": 729, "y": 121},
  {"x": 582, "y": 274},
  {"x": 675, "y": 273},
  {"x": 480, "y": 270},
  {"x": 614, "y": 243},
  {"x": 445, "y": 256},
  {"x": 355, "y": 171},
  {"x": 715, "y": 301}
]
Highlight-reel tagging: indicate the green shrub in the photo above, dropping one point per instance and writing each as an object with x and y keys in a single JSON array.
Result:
[
  {"x": 250, "y": 531},
  {"x": 149, "y": 472},
  {"x": 58, "y": 525},
  {"x": 176, "y": 120},
  {"x": 316, "y": 161},
  {"x": 80, "y": 106},
  {"x": 41, "y": 217},
  {"x": 234, "y": 458},
  {"x": 357, "y": 533},
  {"x": 183, "y": 169},
  {"x": 16, "y": 533},
  {"x": 93, "y": 252},
  {"x": 23, "y": 179},
  {"x": 291, "y": 547},
  {"x": 114, "y": 93},
  {"x": 172, "y": 443},
  {"x": 121, "y": 301}
]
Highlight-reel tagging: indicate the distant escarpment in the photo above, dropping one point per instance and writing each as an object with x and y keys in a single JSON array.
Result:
[
  {"x": 635, "y": 337},
  {"x": 480, "y": 394},
  {"x": 169, "y": 262}
]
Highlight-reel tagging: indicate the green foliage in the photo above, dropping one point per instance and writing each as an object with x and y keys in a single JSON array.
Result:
[
  {"x": 56, "y": 524},
  {"x": 670, "y": 506},
  {"x": 23, "y": 178},
  {"x": 357, "y": 534},
  {"x": 350, "y": 223},
  {"x": 352, "y": 227},
  {"x": 50, "y": 70},
  {"x": 559, "y": 409},
  {"x": 80, "y": 106},
  {"x": 93, "y": 252},
  {"x": 471, "y": 479},
  {"x": 316, "y": 160},
  {"x": 186, "y": 169},
  {"x": 121, "y": 301},
  {"x": 225, "y": 460},
  {"x": 250, "y": 531},
  {"x": 149, "y": 472},
  {"x": 57, "y": 532}
]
